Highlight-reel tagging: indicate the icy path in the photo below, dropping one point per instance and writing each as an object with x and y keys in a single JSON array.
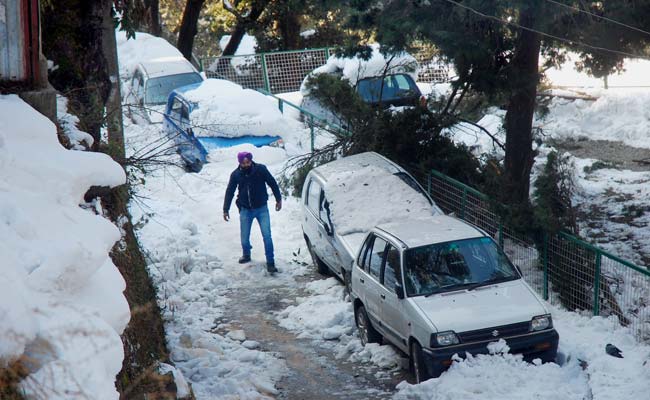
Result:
[{"x": 221, "y": 322}]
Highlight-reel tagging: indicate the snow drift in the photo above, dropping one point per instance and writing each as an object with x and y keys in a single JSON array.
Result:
[
  {"x": 61, "y": 304},
  {"x": 225, "y": 109},
  {"x": 359, "y": 200}
]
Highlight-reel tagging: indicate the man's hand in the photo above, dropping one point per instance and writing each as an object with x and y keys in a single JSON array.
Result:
[
  {"x": 226, "y": 216},
  {"x": 278, "y": 206}
]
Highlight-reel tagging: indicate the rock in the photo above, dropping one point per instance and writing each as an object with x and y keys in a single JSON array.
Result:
[
  {"x": 250, "y": 344},
  {"x": 238, "y": 335}
]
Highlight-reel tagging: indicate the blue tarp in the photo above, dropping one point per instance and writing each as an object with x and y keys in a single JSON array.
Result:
[{"x": 210, "y": 143}]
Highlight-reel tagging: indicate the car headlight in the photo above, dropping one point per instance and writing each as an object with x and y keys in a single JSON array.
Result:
[
  {"x": 447, "y": 338},
  {"x": 540, "y": 323},
  {"x": 277, "y": 143}
]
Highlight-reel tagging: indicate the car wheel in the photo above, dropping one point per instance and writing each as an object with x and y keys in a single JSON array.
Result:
[
  {"x": 367, "y": 332},
  {"x": 418, "y": 368},
  {"x": 321, "y": 267},
  {"x": 194, "y": 166}
]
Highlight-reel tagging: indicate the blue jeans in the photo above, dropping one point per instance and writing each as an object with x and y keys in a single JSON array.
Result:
[{"x": 246, "y": 217}]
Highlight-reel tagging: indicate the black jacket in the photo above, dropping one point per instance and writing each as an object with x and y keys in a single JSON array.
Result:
[{"x": 252, "y": 187}]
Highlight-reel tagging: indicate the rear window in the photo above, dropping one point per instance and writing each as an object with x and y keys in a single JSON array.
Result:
[
  {"x": 391, "y": 87},
  {"x": 158, "y": 89}
]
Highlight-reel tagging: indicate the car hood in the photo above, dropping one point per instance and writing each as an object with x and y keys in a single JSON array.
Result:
[
  {"x": 156, "y": 113},
  {"x": 484, "y": 307}
]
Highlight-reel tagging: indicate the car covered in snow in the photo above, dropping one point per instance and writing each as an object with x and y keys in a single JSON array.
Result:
[
  {"x": 217, "y": 113},
  {"x": 153, "y": 81},
  {"x": 440, "y": 287},
  {"x": 343, "y": 199},
  {"x": 388, "y": 81}
]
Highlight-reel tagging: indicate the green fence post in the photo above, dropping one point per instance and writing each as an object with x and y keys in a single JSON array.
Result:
[
  {"x": 311, "y": 131},
  {"x": 265, "y": 73},
  {"x": 429, "y": 179},
  {"x": 599, "y": 257},
  {"x": 281, "y": 105},
  {"x": 463, "y": 204},
  {"x": 327, "y": 53},
  {"x": 545, "y": 261},
  {"x": 201, "y": 69}
]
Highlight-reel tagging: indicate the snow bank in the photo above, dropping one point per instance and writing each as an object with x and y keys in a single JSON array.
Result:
[
  {"x": 334, "y": 318},
  {"x": 353, "y": 69},
  {"x": 61, "y": 301},
  {"x": 616, "y": 115},
  {"x": 586, "y": 371},
  {"x": 144, "y": 47},
  {"x": 79, "y": 140},
  {"x": 361, "y": 199},
  {"x": 226, "y": 109}
]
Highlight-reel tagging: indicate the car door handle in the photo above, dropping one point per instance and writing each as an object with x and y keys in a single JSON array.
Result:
[
  {"x": 362, "y": 281},
  {"x": 383, "y": 296}
]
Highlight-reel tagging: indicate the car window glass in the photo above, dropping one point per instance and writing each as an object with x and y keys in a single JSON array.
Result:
[
  {"x": 313, "y": 196},
  {"x": 177, "y": 106},
  {"x": 391, "y": 274},
  {"x": 324, "y": 212},
  {"x": 185, "y": 113},
  {"x": 401, "y": 82},
  {"x": 158, "y": 89},
  {"x": 365, "y": 252},
  {"x": 449, "y": 265},
  {"x": 377, "y": 257}
]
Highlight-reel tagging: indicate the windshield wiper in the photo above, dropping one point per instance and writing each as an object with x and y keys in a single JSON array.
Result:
[{"x": 469, "y": 286}]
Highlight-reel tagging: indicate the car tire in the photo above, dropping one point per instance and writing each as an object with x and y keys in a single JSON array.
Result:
[
  {"x": 418, "y": 368},
  {"x": 321, "y": 267},
  {"x": 194, "y": 166},
  {"x": 367, "y": 333}
]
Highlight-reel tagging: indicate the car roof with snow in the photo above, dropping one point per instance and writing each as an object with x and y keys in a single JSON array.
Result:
[
  {"x": 435, "y": 229},
  {"x": 165, "y": 66},
  {"x": 356, "y": 162}
]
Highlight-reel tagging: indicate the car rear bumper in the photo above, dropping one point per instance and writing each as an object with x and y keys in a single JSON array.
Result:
[{"x": 541, "y": 345}]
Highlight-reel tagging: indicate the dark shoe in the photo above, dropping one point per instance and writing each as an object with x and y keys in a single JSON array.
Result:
[
  {"x": 270, "y": 267},
  {"x": 244, "y": 259}
]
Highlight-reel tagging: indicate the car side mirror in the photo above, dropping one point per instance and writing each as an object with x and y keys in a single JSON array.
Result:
[{"x": 399, "y": 291}]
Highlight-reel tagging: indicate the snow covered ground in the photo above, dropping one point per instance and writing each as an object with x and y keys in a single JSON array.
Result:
[
  {"x": 62, "y": 309},
  {"x": 193, "y": 260}
]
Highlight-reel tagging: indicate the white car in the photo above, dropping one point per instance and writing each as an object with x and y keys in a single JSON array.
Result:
[
  {"x": 153, "y": 81},
  {"x": 342, "y": 200},
  {"x": 442, "y": 287}
]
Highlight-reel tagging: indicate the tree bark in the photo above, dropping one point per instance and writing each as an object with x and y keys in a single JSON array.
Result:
[
  {"x": 243, "y": 23},
  {"x": 289, "y": 27},
  {"x": 153, "y": 16},
  {"x": 524, "y": 77},
  {"x": 114, "y": 102},
  {"x": 189, "y": 27}
]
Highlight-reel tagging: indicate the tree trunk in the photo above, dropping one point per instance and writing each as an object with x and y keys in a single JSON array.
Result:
[
  {"x": 235, "y": 39},
  {"x": 524, "y": 77},
  {"x": 153, "y": 16},
  {"x": 289, "y": 27},
  {"x": 189, "y": 27},
  {"x": 114, "y": 101}
]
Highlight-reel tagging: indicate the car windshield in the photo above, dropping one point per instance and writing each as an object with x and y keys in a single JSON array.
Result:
[
  {"x": 158, "y": 89},
  {"x": 394, "y": 87},
  {"x": 455, "y": 265}
]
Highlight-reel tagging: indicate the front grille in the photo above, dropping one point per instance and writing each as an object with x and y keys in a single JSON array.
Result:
[{"x": 480, "y": 335}]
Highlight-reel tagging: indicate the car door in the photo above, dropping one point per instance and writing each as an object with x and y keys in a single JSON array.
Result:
[
  {"x": 393, "y": 315},
  {"x": 317, "y": 234},
  {"x": 374, "y": 264},
  {"x": 335, "y": 261}
]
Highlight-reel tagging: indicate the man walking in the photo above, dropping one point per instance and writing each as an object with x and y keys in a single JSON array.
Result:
[{"x": 252, "y": 178}]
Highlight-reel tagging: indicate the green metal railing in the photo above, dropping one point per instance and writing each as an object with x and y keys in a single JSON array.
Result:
[
  {"x": 314, "y": 122},
  {"x": 284, "y": 71},
  {"x": 562, "y": 268}
]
